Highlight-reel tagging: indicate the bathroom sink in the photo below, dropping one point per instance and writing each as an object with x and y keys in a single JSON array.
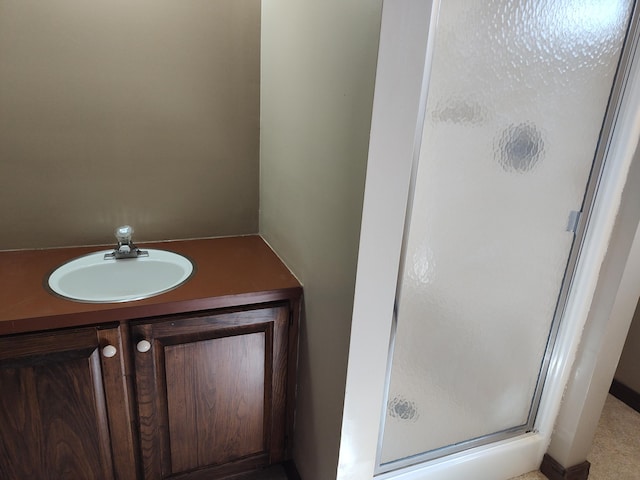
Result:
[{"x": 95, "y": 279}]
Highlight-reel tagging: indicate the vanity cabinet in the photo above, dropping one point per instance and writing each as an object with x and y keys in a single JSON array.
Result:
[
  {"x": 210, "y": 397},
  {"x": 57, "y": 391},
  {"x": 212, "y": 391},
  {"x": 197, "y": 383}
]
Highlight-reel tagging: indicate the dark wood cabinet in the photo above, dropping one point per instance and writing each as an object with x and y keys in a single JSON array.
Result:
[
  {"x": 64, "y": 407},
  {"x": 199, "y": 396},
  {"x": 212, "y": 391}
]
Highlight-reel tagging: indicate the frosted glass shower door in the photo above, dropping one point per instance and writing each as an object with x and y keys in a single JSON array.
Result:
[{"x": 517, "y": 95}]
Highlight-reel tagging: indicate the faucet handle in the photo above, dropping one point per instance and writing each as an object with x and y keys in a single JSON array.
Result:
[
  {"x": 125, "y": 247},
  {"x": 123, "y": 234}
]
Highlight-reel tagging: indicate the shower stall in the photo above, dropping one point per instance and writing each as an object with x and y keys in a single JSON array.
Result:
[
  {"x": 502, "y": 147},
  {"x": 512, "y": 145}
]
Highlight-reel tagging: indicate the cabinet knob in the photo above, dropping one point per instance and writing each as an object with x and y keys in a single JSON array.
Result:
[
  {"x": 109, "y": 351},
  {"x": 143, "y": 346}
]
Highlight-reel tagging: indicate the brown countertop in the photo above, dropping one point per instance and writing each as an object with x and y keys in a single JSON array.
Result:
[{"x": 229, "y": 271}]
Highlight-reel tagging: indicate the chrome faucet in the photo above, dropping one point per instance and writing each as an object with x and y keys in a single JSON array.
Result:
[{"x": 125, "y": 247}]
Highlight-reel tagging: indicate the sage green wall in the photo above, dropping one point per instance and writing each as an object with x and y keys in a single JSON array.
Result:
[
  {"x": 628, "y": 371},
  {"x": 115, "y": 111},
  {"x": 318, "y": 70}
]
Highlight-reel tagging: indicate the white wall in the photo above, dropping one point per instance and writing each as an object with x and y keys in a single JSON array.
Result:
[{"x": 318, "y": 70}]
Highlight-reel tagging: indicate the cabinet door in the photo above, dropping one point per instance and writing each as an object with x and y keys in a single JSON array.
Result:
[
  {"x": 54, "y": 403},
  {"x": 211, "y": 392}
]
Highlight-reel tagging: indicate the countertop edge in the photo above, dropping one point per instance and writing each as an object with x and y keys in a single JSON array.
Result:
[{"x": 140, "y": 312}]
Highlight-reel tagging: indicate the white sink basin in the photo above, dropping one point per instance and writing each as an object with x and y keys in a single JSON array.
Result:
[{"x": 94, "y": 279}]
